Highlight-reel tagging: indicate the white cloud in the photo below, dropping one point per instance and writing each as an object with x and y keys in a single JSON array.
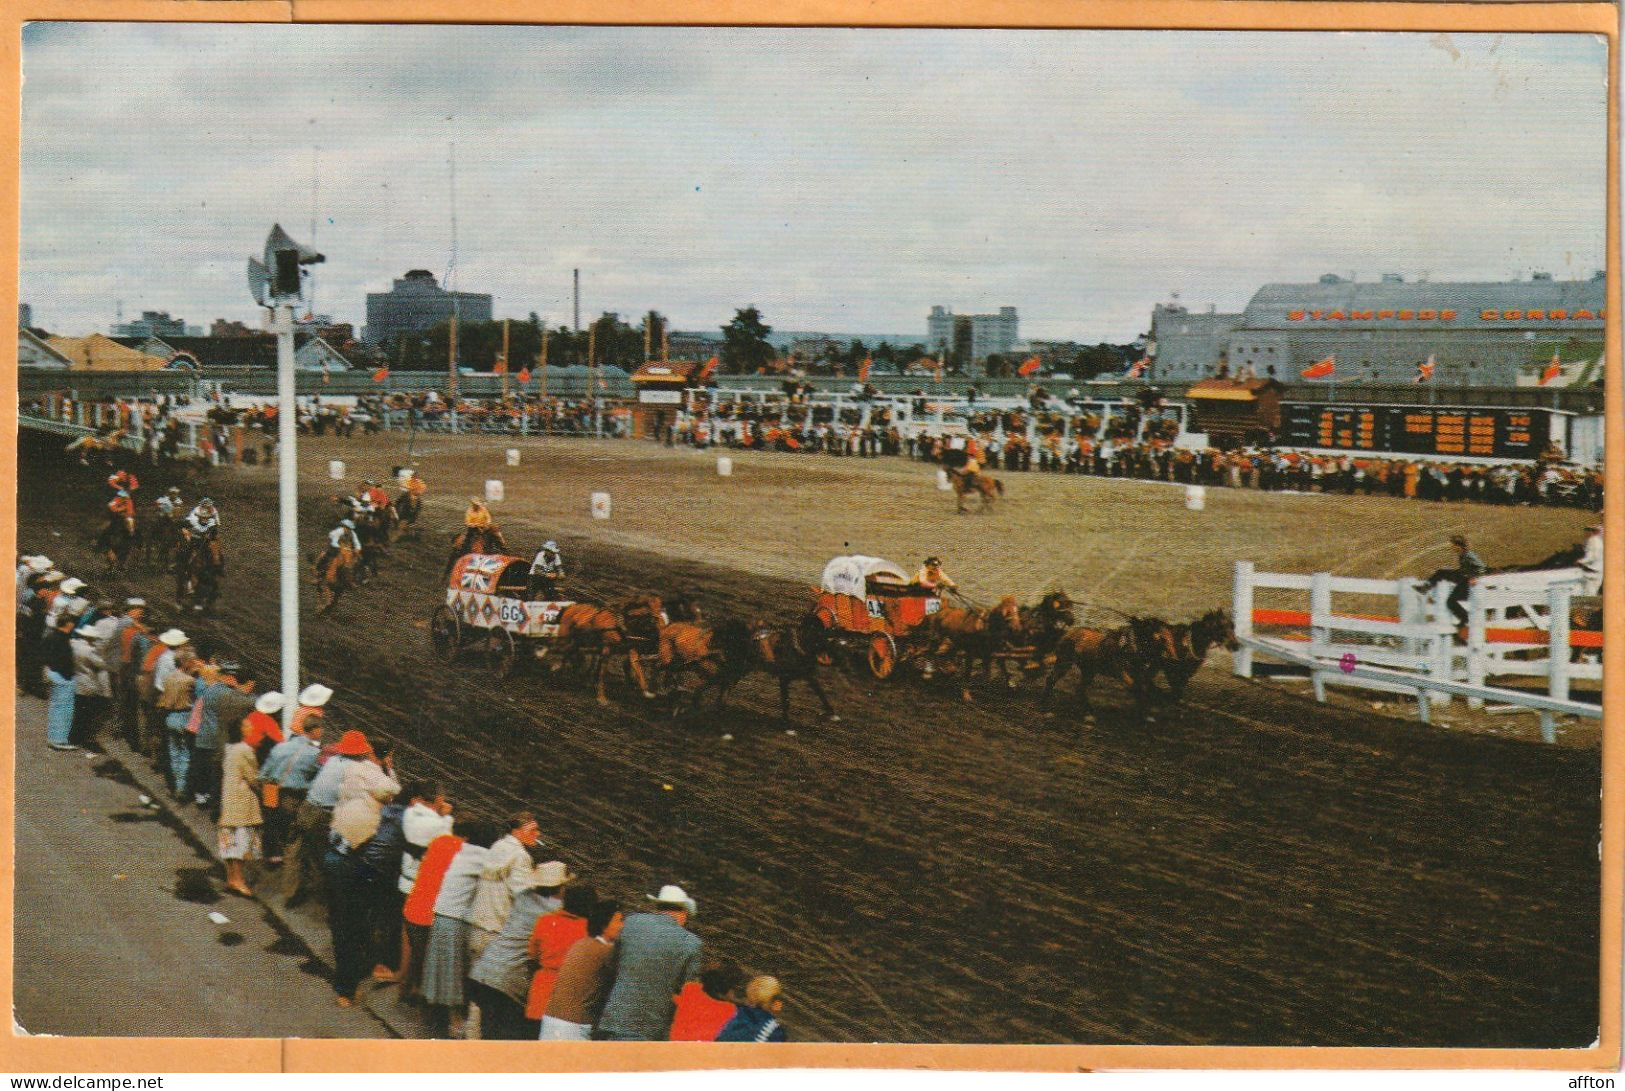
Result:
[{"x": 842, "y": 179}]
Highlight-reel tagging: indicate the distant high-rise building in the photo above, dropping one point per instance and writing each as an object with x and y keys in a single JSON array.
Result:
[
  {"x": 418, "y": 302},
  {"x": 973, "y": 337},
  {"x": 25, "y": 316},
  {"x": 154, "y": 324}
]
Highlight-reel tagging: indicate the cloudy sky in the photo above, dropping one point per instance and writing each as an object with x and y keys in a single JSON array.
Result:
[{"x": 841, "y": 180}]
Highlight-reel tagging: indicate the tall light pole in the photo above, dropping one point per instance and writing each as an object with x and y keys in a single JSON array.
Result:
[{"x": 277, "y": 284}]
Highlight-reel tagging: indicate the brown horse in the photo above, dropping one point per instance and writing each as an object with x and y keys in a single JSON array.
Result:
[
  {"x": 335, "y": 573},
  {"x": 1192, "y": 641},
  {"x": 592, "y": 635},
  {"x": 475, "y": 540},
  {"x": 740, "y": 647},
  {"x": 976, "y": 483},
  {"x": 1132, "y": 653},
  {"x": 974, "y": 636}
]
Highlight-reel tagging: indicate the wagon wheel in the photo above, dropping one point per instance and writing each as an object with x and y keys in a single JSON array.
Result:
[
  {"x": 502, "y": 653},
  {"x": 446, "y": 633},
  {"x": 882, "y": 655}
]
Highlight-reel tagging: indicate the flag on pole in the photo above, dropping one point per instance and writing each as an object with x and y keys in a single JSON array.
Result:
[
  {"x": 380, "y": 375},
  {"x": 1424, "y": 371},
  {"x": 863, "y": 369},
  {"x": 1029, "y": 366},
  {"x": 705, "y": 372},
  {"x": 1553, "y": 370},
  {"x": 524, "y": 375},
  {"x": 1137, "y": 368},
  {"x": 1323, "y": 370}
]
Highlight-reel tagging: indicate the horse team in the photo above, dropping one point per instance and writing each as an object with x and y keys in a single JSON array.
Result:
[{"x": 671, "y": 654}]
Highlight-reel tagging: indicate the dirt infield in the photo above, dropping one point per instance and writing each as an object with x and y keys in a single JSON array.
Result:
[{"x": 1253, "y": 869}]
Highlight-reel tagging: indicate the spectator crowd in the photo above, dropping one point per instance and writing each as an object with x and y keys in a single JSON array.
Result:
[{"x": 471, "y": 917}]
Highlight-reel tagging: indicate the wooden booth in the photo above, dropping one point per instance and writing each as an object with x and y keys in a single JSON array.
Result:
[
  {"x": 661, "y": 387},
  {"x": 1234, "y": 411}
]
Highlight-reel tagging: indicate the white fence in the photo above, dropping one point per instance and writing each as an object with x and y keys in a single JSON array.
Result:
[{"x": 1518, "y": 626}]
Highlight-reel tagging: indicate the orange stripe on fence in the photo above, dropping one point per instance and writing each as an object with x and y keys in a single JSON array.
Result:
[{"x": 1578, "y": 638}]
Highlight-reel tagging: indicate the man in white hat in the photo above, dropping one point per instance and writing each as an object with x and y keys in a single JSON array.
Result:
[
  {"x": 656, "y": 956},
  {"x": 68, "y": 600},
  {"x": 173, "y": 641},
  {"x": 312, "y": 705}
]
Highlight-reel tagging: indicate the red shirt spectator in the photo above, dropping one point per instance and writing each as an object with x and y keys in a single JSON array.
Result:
[
  {"x": 419, "y": 908},
  {"x": 555, "y": 933},
  {"x": 699, "y": 1018}
]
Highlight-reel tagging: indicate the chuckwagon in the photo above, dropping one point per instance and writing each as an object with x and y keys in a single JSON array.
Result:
[
  {"x": 866, "y": 607},
  {"x": 488, "y": 610}
]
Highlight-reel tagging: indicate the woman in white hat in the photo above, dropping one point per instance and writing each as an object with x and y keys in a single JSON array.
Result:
[
  {"x": 312, "y": 703},
  {"x": 67, "y": 599}
]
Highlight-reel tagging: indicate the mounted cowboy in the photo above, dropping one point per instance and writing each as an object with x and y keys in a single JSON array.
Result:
[
  {"x": 119, "y": 532},
  {"x": 170, "y": 505},
  {"x": 200, "y": 527},
  {"x": 123, "y": 480}
]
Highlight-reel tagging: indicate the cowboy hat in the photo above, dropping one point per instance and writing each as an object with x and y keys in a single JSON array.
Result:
[
  {"x": 135, "y": 602},
  {"x": 672, "y": 896},
  {"x": 315, "y": 695},
  {"x": 73, "y": 585},
  {"x": 41, "y": 563},
  {"x": 172, "y": 638},
  {"x": 53, "y": 576},
  {"x": 552, "y": 873},
  {"x": 270, "y": 703},
  {"x": 353, "y": 744}
]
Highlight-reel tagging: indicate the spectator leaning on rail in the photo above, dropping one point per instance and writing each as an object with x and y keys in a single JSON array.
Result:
[
  {"x": 309, "y": 842},
  {"x": 446, "y": 963},
  {"x": 290, "y": 768},
  {"x": 418, "y": 911},
  {"x": 705, "y": 1006},
  {"x": 351, "y": 883},
  {"x": 584, "y": 979},
  {"x": 499, "y": 981},
  {"x": 758, "y": 1018},
  {"x": 506, "y": 872},
  {"x": 550, "y": 940},
  {"x": 655, "y": 956}
]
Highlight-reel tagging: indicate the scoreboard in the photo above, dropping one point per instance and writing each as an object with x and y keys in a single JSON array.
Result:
[{"x": 1417, "y": 430}]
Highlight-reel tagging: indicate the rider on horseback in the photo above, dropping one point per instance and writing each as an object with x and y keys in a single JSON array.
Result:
[
  {"x": 477, "y": 524},
  {"x": 343, "y": 543},
  {"x": 123, "y": 481},
  {"x": 376, "y": 498},
  {"x": 200, "y": 528},
  {"x": 120, "y": 509},
  {"x": 545, "y": 572}
]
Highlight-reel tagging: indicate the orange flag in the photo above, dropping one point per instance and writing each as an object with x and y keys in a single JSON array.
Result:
[
  {"x": 1029, "y": 367},
  {"x": 1323, "y": 370},
  {"x": 863, "y": 369},
  {"x": 1424, "y": 371},
  {"x": 1553, "y": 370},
  {"x": 705, "y": 372},
  {"x": 499, "y": 368},
  {"x": 380, "y": 375},
  {"x": 524, "y": 375}
]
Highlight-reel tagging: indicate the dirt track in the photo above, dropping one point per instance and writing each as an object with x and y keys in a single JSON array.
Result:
[{"x": 1255, "y": 869}]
